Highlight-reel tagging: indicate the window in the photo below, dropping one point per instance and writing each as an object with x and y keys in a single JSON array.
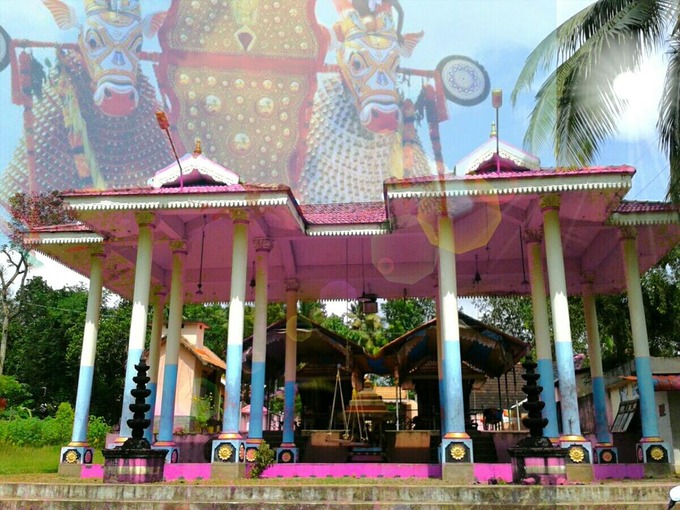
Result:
[{"x": 625, "y": 415}]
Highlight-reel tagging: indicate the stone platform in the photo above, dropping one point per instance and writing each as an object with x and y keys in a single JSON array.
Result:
[{"x": 354, "y": 494}]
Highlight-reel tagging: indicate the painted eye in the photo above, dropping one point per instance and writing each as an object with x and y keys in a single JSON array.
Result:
[
  {"x": 357, "y": 63},
  {"x": 93, "y": 43},
  {"x": 93, "y": 40},
  {"x": 136, "y": 45}
]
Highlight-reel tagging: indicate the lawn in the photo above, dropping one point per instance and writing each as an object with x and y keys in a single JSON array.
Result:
[{"x": 16, "y": 460}]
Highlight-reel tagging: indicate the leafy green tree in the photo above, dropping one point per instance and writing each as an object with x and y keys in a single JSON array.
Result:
[
  {"x": 403, "y": 315},
  {"x": 368, "y": 330},
  {"x": 577, "y": 107}
]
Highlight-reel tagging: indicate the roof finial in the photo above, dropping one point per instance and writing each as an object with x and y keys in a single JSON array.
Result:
[
  {"x": 197, "y": 149},
  {"x": 493, "y": 130}
]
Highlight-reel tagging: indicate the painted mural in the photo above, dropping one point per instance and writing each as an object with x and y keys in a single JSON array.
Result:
[{"x": 272, "y": 94}]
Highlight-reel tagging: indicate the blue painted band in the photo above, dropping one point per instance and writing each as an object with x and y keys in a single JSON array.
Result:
[
  {"x": 133, "y": 359},
  {"x": 165, "y": 430},
  {"x": 83, "y": 398},
  {"x": 232, "y": 408},
  {"x": 547, "y": 381},
  {"x": 289, "y": 412},
  {"x": 454, "y": 420},
  {"x": 645, "y": 381},
  {"x": 256, "y": 400},
  {"x": 600, "y": 407},
  {"x": 564, "y": 354},
  {"x": 150, "y": 414}
]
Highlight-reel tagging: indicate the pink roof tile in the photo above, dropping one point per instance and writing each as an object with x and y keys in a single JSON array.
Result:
[
  {"x": 344, "y": 214},
  {"x": 522, "y": 174},
  {"x": 635, "y": 207},
  {"x": 187, "y": 190}
]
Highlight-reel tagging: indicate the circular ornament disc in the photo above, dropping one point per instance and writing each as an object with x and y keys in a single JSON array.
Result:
[
  {"x": 4, "y": 49},
  {"x": 465, "y": 81}
]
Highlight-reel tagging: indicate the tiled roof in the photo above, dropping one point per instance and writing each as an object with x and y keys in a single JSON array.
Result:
[
  {"x": 635, "y": 207},
  {"x": 343, "y": 214},
  {"x": 543, "y": 172},
  {"x": 205, "y": 355},
  {"x": 187, "y": 190}
]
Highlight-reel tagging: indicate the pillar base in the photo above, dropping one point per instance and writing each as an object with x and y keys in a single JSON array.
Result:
[
  {"x": 287, "y": 453},
  {"x": 76, "y": 455},
  {"x": 172, "y": 456},
  {"x": 606, "y": 454},
  {"x": 652, "y": 451},
  {"x": 252, "y": 445},
  {"x": 461, "y": 473},
  {"x": 579, "y": 451},
  {"x": 456, "y": 449},
  {"x": 228, "y": 451},
  {"x": 579, "y": 473},
  {"x": 226, "y": 471}
]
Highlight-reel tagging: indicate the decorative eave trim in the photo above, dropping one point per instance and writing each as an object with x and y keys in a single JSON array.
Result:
[
  {"x": 374, "y": 229},
  {"x": 191, "y": 201},
  {"x": 531, "y": 185},
  {"x": 46, "y": 238},
  {"x": 644, "y": 218},
  {"x": 200, "y": 165}
]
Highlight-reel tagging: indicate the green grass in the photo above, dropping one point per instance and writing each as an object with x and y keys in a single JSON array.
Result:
[{"x": 16, "y": 460}]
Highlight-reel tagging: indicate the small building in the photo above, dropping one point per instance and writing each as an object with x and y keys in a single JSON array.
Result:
[{"x": 200, "y": 371}]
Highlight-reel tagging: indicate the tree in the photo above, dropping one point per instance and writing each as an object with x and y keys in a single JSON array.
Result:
[
  {"x": 403, "y": 315},
  {"x": 576, "y": 106},
  {"x": 27, "y": 211}
]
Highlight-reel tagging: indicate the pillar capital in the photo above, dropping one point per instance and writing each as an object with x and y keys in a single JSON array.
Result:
[
  {"x": 534, "y": 235},
  {"x": 587, "y": 278},
  {"x": 550, "y": 202},
  {"x": 239, "y": 216},
  {"x": 145, "y": 219},
  {"x": 178, "y": 246},
  {"x": 263, "y": 244},
  {"x": 97, "y": 251},
  {"x": 292, "y": 284},
  {"x": 628, "y": 233}
]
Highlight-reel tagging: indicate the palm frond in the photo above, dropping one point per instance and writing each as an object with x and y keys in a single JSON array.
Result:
[{"x": 668, "y": 125}]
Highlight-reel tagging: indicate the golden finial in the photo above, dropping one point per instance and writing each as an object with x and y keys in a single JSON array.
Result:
[
  {"x": 493, "y": 130},
  {"x": 197, "y": 149}
]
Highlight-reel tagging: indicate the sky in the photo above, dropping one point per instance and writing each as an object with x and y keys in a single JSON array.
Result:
[{"x": 499, "y": 34}]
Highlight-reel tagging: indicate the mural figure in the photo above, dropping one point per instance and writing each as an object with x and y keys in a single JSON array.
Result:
[{"x": 247, "y": 78}]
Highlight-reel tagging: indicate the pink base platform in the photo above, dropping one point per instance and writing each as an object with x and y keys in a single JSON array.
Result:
[{"x": 483, "y": 472}]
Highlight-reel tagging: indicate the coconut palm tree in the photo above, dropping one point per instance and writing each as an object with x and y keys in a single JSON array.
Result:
[{"x": 576, "y": 107}]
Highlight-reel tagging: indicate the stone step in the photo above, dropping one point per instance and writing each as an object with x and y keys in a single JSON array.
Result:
[
  {"x": 72, "y": 504},
  {"x": 359, "y": 495}
]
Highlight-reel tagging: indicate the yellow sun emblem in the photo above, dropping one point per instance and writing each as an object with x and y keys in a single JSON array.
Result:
[
  {"x": 458, "y": 452},
  {"x": 71, "y": 456},
  {"x": 576, "y": 454},
  {"x": 607, "y": 456},
  {"x": 656, "y": 453},
  {"x": 225, "y": 452}
]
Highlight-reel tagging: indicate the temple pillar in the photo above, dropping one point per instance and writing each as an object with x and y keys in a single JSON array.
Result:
[
  {"x": 172, "y": 344},
  {"x": 651, "y": 448},
  {"x": 78, "y": 450},
  {"x": 605, "y": 452},
  {"x": 138, "y": 321},
  {"x": 544, "y": 361},
  {"x": 263, "y": 247},
  {"x": 154, "y": 358},
  {"x": 456, "y": 446},
  {"x": 579, "y": 450},
  {"x": 229, "y": 448},
  {"x": 288, "y": 452}
]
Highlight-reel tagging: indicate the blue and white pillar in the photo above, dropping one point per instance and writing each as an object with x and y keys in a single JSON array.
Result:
[
  {"x": 154, "y": 358},
  {"x": 172, "y": 343},
  {"x": 651, "y": 448},
  {"x": 456, "y": 444},
  {"x": 605, "y": 452},
  {"x": 288, "y": 452},
  {"x": 78, "y": 450},
  {"x": 533, "y": 239},
  {"x": 580, "y": 450},
  {"x": 138, "y": 322},
  {"x": 229, "y": 447},
  {"x": 263, "y": 247}
]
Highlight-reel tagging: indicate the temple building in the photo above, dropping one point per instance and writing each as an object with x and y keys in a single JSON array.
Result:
[{"x": 502, "y": 226}]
